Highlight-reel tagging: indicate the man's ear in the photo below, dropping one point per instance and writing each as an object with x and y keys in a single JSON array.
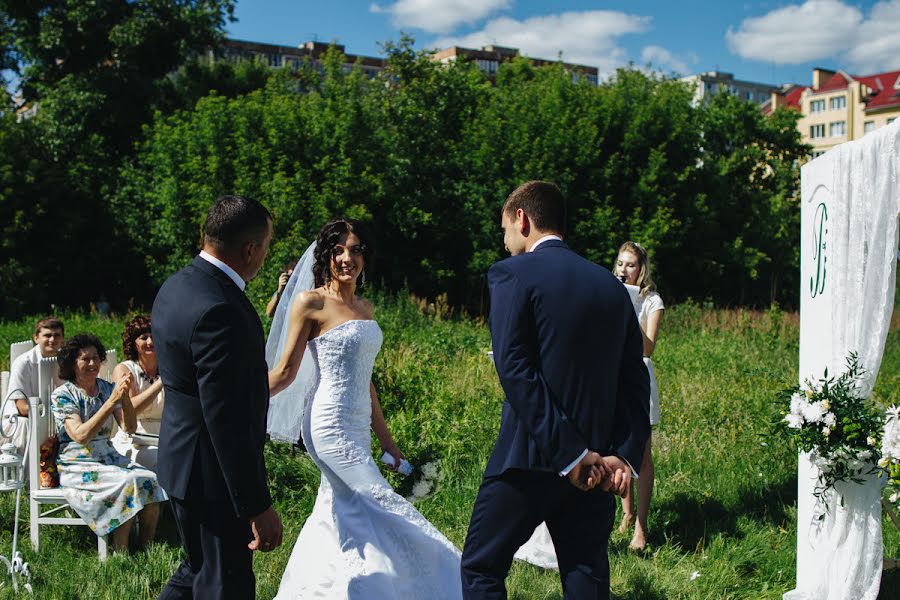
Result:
[{"x": 523, "y": 222}]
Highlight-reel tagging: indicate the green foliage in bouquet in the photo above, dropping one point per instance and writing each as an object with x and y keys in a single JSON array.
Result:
[
  {"x": 839, "y": 429},
  {"x": 890, "y": 453}
]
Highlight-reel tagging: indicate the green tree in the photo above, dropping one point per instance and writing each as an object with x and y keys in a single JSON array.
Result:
[{"x": 95, "y": 70}]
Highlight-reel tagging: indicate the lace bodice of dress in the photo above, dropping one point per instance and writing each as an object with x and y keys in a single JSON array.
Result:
[{"x": 344, "y": 357}]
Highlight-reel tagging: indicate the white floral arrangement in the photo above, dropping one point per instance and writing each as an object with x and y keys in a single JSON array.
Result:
[
  {"x": 890, "y": 453},
  {"x": 430, "y": 475},
  {"x": 838, "y": 428}
]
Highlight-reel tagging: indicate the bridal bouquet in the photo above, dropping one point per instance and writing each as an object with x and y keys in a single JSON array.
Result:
[
  {"x": 838, "y": 428},
  {"x": 420, "y": 481},
  {"x": 429, "y": 476},
  {"x": 890, "y": 453}
]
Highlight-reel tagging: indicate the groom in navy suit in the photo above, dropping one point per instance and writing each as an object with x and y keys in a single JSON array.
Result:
[
  {"x": 568, "y": 351},
  {"x": 211, "y": 350}
]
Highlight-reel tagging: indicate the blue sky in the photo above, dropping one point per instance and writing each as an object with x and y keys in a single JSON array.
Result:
[{"x": 765, "y": 41}]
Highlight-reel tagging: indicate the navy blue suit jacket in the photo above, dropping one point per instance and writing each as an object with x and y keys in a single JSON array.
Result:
[
  {"x": 211, "y": 352},
  {"x": 568, "y": 351}
]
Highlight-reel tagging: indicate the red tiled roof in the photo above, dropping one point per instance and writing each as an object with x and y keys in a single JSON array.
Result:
[
  {"x": 791, "y": 100},
  {"x": 882, "y": 86},
  {"x": 836, "y": 82},
  {"x": 884, "y": 93}
]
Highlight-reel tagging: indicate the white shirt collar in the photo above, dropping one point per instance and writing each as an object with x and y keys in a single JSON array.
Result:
[
  {"x": 232, "y": 274},
  {"x": 544, "y": 239}
]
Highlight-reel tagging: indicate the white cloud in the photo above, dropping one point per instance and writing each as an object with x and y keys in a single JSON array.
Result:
[
  {"x": 820, "y": 29},
  {"x": 877, "y": 47},
  {"x": 439, "y": 16},
  {"x": 661, "y": 59},
  {"x": 588, "y": 37}
]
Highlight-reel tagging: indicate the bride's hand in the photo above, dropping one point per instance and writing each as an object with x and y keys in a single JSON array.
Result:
[{"x": 395, "y": 453}]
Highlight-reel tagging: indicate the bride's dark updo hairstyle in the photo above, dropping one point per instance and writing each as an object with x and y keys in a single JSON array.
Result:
[{"x": 329, "y": 237}]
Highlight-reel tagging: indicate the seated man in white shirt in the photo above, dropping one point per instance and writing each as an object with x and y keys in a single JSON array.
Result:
[{"x": 23, "y": 376}]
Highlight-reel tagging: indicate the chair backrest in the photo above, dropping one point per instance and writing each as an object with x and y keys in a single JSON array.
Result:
[
  {"x": 40, "y": 419},
  {"x": 17, "y": 349},
  {"x": 106, "y": 369}
]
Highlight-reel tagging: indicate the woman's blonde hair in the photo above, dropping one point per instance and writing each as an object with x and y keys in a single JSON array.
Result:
[{"x": 644, "y": 280}]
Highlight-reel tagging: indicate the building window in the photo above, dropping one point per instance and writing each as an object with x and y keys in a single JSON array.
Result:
[
  {"x": 838, "y": 103},
  {"x": 817, "y": 153},
  {"x": 868, "y": 126},
  {"x": 817, "y": 131},
  {"x": 891, "y": 120},
  {"x": 837, "y": 129},
  {"x": 816, "y": 106},
  {"x": 488, "y": 66},
  {"x": 274, "y": 60}
]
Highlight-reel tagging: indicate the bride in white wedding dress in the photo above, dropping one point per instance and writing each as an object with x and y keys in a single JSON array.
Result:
[{"x": 362, "y": 540}]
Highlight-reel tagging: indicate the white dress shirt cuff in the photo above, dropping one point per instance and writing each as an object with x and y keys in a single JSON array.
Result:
[{"x": 568, "y": 469}]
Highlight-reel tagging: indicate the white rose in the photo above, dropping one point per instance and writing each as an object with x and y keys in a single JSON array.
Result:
[
  {"x": 813, "y": 412},
  {"x": 794, "y": 421},
  {"x": 864, "y": 455},
  {"x": 797, "y": 404},
  {"x": 421, "y": 488},
  {"x": 826, "y": 431},
  {"x": 883, "y": 462},
  {"x": 429, "y": 470},
  {"x": 894, "y": 497},
  {"x": 870, "y": 440},
  {"x": 829, "y": 419}
]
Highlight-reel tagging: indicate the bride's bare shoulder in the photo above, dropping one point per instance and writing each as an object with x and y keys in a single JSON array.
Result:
[
  {"x": 309, "y": 301},
  {"x": 367, "y": 308}
]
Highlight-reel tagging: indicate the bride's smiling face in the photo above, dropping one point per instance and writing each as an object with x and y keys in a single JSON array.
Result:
[{"x": 347, "y": 259}]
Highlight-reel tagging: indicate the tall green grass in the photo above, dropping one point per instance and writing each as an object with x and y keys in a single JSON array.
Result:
[{"x": 724, "y": 505}]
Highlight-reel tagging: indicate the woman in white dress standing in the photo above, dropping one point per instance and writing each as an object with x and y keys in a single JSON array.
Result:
[
  {"x": 633, "y": 267},
  {"x": 146, "y": 392},
  {"x": 362, "y": 540}
]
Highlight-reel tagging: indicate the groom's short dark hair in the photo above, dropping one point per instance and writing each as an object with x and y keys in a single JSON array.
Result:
[
  {"x": 235, "y": 220},
  {"x": 544, "y": 204}
]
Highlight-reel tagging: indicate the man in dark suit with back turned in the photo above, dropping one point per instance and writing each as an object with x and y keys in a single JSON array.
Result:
[
  {"x": 567, "y": 348},
  {"x": 211, "y": 351}
]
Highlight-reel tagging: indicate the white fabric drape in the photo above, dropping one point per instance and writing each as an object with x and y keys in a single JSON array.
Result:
[{"x": 841, "y": 557}]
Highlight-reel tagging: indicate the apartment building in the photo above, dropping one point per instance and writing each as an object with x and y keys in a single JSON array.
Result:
[
  {"x": 489, "y": 59},
  {"x": 277, "y": 56},
  {"x": 706, "y": 85},
  {"x": 839, "y": 107}
]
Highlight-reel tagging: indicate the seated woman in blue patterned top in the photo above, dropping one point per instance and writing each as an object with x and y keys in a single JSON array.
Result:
[{"x": 105, "y": 488}]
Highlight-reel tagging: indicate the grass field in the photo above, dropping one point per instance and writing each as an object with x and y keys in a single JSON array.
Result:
[{"x": 725, "y": 498}]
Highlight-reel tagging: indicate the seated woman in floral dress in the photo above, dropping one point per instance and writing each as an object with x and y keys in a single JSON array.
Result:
[{"x": 101, "y": 485}]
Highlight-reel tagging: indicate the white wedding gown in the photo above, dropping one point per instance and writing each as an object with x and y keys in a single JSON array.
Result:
[{"x": 362, "y": 541}]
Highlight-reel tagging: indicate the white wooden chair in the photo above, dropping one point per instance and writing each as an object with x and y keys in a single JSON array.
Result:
[
  {"x": 108, "y": 366},
  {"x": 42, "y": 426},
  {"x": 16, "y": 349}
]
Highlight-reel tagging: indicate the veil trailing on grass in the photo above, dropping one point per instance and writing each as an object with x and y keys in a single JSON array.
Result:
[{"x": 285, "y": 419}]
